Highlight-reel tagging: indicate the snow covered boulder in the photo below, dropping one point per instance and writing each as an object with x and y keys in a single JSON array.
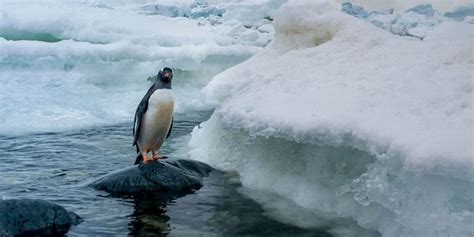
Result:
[
  {"x": 29, "y": 217},
  {"x": 181, "y": 176}
]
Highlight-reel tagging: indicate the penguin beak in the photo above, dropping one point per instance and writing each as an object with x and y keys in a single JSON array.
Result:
[{"x": 167, "y": 75}]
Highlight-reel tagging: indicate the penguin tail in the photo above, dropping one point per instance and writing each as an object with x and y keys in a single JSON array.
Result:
[{"x": 139, "y": 159}]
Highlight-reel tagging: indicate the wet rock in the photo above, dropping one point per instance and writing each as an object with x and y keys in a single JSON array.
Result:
[
  {"x": 171, "y": 175},
  {"x": 31, "y": 217}
]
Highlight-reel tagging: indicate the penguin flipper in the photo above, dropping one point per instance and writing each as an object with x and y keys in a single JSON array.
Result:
[
  {"x": 137, "y": 123},
  {"x": 171, "y": 126},
  {"x": 141, "y": 110}
]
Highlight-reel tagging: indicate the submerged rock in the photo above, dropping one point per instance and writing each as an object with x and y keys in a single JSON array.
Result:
[
  {"x": 30, "y": 217},
  {"x": 170, "y": 175}
]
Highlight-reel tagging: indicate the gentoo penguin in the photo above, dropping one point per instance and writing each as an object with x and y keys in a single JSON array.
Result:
[{"x": 154, "y": 118}]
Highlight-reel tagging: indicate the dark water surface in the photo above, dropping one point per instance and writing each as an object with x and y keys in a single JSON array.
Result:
[{"x": 58, "y": 166}]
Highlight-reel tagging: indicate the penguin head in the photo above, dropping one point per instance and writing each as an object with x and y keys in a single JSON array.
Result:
[{"x": 165, "y": 75}]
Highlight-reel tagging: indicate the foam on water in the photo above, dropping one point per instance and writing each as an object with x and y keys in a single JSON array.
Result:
[{"x": 86, "y": 63}]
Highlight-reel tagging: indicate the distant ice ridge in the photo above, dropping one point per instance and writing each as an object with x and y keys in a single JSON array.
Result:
[
  {"x": 247, "y": 21},
  {"x": 348, "y": 120},
  {"x": 85, "y": 63},
  {"x": 416, "y": 21},
  {"x": 194, "y": 9}
]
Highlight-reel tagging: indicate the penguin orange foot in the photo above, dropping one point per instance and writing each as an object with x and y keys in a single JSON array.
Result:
[
  {"x": 156, "y": 156},
  {"x": 147, "y": 160}
]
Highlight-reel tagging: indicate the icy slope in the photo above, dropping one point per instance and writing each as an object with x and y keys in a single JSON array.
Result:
[{"x": 343, "y": 117}]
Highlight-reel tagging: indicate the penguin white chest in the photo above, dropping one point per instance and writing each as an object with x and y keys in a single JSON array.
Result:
[{"x": 157, "y": 120}]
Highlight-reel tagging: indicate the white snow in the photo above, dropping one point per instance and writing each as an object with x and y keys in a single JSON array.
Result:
[
  {"x": 333, "y": 92},
  {"x": 88, "y": 61}
]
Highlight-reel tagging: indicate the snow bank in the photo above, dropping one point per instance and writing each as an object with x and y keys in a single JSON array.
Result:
[
  {"x": 345, "y": 118},
  {"x": 91, "y": 59}
]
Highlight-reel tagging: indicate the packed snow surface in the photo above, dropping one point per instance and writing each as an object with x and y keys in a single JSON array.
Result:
[{"x": 342, "y": 117}]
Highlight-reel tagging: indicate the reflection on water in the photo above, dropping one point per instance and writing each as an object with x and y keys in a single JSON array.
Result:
[
  {"x": 58, "y": 166},
  {"x": 218, "y": 209},
  {"x": 149, "y": 215}
]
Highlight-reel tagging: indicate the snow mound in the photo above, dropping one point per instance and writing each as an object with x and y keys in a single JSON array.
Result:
[{"x": 345, "y": 118}]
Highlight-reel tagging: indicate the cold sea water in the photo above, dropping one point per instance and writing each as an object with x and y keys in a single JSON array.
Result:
[{"x": 58, "y": 166}]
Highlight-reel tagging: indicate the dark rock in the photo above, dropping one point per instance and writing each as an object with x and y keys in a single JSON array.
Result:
[
  {"x": 30, "y": 217},
  {"x": 171, "y": 175}
]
